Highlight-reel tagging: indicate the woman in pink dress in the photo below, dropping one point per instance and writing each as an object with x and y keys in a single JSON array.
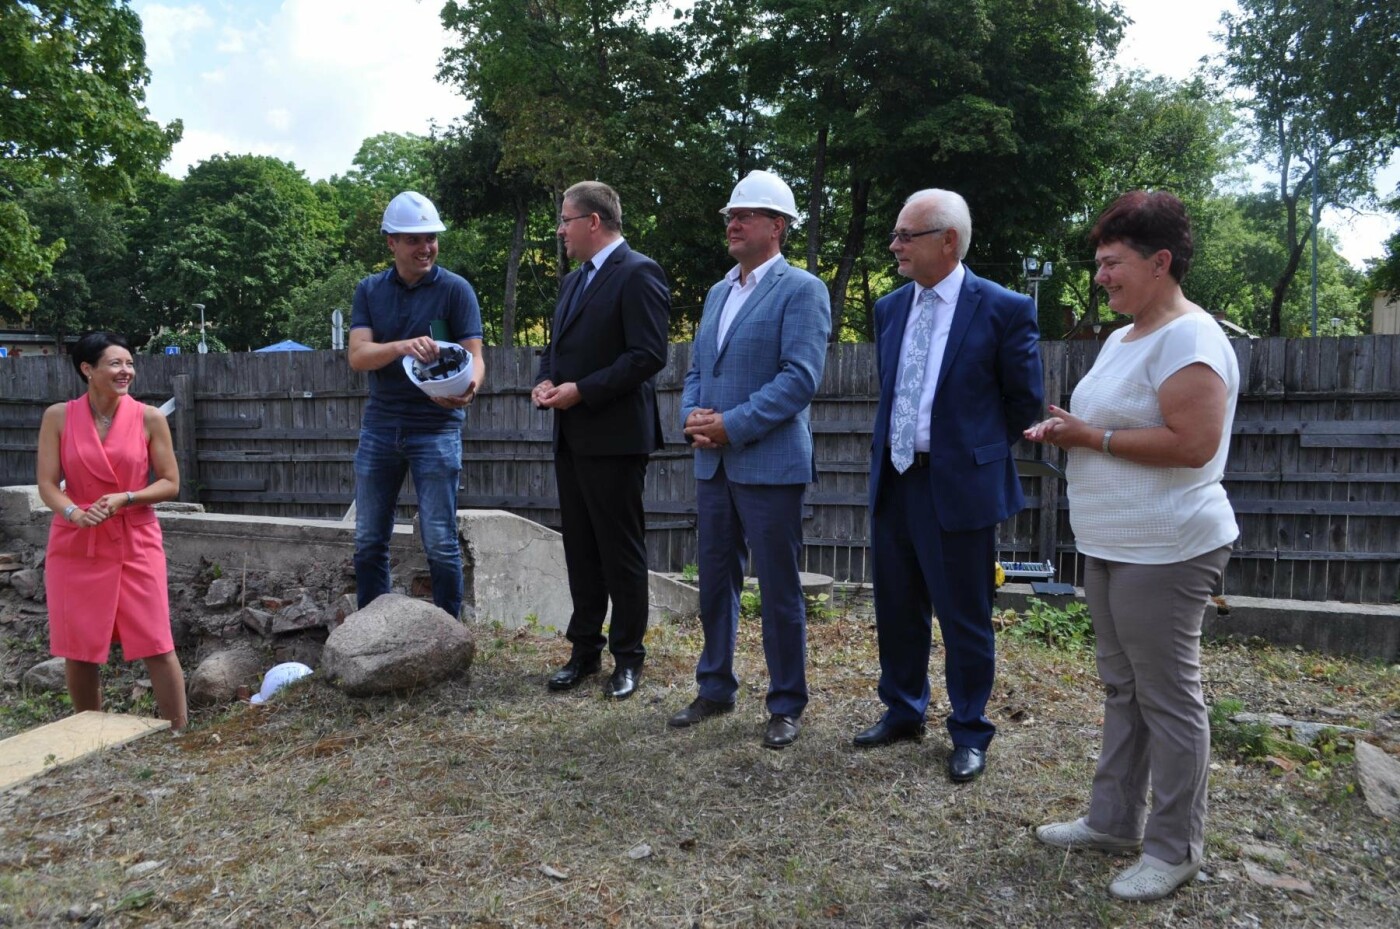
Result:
[{"x": 105, "y": 568}]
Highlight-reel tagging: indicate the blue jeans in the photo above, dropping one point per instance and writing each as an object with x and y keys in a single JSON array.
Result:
[{"x": 385, "y": 455}]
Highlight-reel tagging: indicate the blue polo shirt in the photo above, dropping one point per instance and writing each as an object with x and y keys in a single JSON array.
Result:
[{"x": 392, "y": 310}]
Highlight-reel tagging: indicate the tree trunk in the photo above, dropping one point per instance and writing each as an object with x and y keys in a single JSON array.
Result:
[
  {"x": 814, "y": 202},
  {"x": 855, "y": 236},
  {"x": 1290, "y": 270},
  {"x": 517, "y": 250}
]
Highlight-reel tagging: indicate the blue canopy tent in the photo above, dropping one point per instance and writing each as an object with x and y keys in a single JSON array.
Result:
[{"x": 286, "y": 345}]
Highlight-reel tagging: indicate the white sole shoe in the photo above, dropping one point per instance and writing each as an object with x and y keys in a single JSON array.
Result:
[
  {"x": 1152, "y": 879},
  {"x": 1078, "y": 835}
]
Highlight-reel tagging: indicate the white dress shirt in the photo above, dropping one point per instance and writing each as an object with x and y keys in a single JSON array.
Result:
[{"x": 739, "y": 295}]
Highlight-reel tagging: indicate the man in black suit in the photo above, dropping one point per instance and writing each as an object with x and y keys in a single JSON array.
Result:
[{"x": 598, "y": 374}]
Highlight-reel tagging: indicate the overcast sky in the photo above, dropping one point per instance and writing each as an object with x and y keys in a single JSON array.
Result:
[{"x": 309, "y": 80}]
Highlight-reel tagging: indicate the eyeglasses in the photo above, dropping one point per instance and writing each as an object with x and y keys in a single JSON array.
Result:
[
  {"x": 906, "y": 237},
  {"x": 744, "y": 217},
  {"x": 569, "y": 219}
]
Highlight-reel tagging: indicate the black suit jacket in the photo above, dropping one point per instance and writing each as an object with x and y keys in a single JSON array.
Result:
[{"x": 611, "y": 346}]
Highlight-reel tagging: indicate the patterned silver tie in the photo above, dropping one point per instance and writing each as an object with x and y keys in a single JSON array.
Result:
[{"x": 904, "y": 420}]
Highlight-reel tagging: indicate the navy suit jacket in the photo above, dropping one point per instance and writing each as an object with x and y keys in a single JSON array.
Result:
[
  {"x": 762, "y": 378},
  {"x": 989, "y": 389},
  {"x": 611, "y": 346}
]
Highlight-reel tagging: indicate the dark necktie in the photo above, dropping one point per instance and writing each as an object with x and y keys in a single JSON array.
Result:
[{"x": 578, "y": 292}]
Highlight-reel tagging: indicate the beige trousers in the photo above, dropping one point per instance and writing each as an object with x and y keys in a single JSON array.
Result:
[{"x": 1147, "y": 620}]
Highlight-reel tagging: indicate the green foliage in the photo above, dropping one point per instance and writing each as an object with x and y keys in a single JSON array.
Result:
[
  {"x": 1323, "y": 93},
  {"x": 73, "y": 78},
  {"x": 690, "y": 573},
  {"x": 1068, "y": 628},
  {"x": 186, "y": 338},
  {"x": 242, "y": 230},
  {"x": 750, "y": 603},
  {"x": 307, "y": 309}
]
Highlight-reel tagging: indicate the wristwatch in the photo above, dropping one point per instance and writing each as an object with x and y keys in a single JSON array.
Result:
[{"x": 68, "y": 511}]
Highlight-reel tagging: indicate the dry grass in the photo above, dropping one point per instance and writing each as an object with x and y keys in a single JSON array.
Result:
[{"x": 493, "y": 803}]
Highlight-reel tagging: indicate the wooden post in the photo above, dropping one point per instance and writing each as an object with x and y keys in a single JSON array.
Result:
[
  {"x": 182, "y": 386},
  {"x": 1048, "y": 538}
]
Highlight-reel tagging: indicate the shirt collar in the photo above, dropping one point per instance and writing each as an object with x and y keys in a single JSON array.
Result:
[
  {"x": 947, "y": 289},
  {"x": 603, "y": 253},
  {"x": 429, "y": 278},
  {"x": 755, "y": 275}
]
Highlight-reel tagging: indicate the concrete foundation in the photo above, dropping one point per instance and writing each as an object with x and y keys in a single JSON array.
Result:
[
  {"x": 513, "y": 569},
  {"x": 1357, "y": 630}
]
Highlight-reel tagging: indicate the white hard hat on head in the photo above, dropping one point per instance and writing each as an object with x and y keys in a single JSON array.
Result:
[
  {"x": 410, "y": 211},
  {"x": 763, "y": 190}
]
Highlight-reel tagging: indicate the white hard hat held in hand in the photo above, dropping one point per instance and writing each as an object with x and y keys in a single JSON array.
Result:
[
  {"x": 763, "y": 190},
  {"x": 409, "y": 212},
  {"x": 278, "y": 677},
  {"x": 446, "y": 376}
]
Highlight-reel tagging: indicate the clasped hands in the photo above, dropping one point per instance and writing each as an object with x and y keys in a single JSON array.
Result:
[
  {"x": 103, "y": 509},
  {"x": 705, "y": 428},
  {"x": 548, "y": 396}
]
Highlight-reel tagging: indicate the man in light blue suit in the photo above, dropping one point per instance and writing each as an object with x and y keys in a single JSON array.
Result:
[
  {"x": 754, "y": 368},
  {"x": 960, "y": 377}
]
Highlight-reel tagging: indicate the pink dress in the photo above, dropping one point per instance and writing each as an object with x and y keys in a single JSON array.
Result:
[{"x": 108, "y": 583}]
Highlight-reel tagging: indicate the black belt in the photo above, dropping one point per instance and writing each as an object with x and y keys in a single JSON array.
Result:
[{"x": 920, "y": 459}]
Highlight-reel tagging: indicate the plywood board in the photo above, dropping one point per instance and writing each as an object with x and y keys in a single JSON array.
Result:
[{"x": 32, "y": 753}]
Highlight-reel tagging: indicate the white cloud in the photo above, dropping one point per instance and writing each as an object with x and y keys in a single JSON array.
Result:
[
  {"x": 307, "y": 80},
  {"x": 168, "y": 30}
]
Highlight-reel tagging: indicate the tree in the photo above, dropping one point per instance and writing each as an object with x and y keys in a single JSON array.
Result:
[
  {"x": 306, "y": 312},
  {"x": 72, "y": 83},
  {"x": 386, "y": 165},
  {"x": 242, "y": 230},
  {"x": 1324, "y": 99}
]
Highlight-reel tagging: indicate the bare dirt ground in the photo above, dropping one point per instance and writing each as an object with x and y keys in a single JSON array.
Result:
[{"x": 490, "y": 802}]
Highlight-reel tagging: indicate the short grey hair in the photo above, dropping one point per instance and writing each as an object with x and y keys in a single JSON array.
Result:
[{"x": 946, "y": 210}]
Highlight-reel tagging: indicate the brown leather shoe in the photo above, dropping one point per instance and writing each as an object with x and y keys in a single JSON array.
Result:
[
  {"x": 700, "y": 709},
  {"x": 781, "y": 731}
]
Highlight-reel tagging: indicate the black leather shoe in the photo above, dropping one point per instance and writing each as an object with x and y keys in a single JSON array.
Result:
[
  {"x": 623, "y": 683},
  {"x": 573, "y": 673},
  {"x": 699, "y": 710},
  {"x": 887, "y": 733},
  {"x": 966, "y": 763},
  {"x": 781, "y": 731}
]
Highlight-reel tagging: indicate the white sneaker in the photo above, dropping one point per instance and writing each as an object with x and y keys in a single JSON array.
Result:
[
  {"x": 1078, "y": 835},
  {"x": 1152, "y": 879}
]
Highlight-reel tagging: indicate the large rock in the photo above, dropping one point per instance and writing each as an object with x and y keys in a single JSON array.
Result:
[
  {"x": 219, "y": 676},
  {"x": 46, "y": 677},
  {"x": 304, "y": 614},
  {"x": 222, "y": 592},
  {"x": 28, "y": 583},
  {"x": 1379, "y": 775},
  {"x": 394, "y": 644}
]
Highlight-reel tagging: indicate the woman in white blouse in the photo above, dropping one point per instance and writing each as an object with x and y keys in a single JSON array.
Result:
[{"x": 1147, "y": 442}]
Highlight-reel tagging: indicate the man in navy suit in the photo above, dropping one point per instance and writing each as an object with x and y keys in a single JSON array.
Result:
[
  {"x": 598, "y": 374},
  {"x": 960, "y": 377},
  {"x": 754, "y": 368}
]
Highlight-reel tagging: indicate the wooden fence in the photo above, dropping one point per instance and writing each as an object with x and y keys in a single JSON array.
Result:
[{"x": 1313, "y": 474}]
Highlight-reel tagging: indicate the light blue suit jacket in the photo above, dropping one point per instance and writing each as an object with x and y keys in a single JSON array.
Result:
[{"x": 762, "y": 378}]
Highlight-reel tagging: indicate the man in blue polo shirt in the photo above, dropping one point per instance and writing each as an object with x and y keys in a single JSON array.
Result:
[{"x": 400, "y": 312}]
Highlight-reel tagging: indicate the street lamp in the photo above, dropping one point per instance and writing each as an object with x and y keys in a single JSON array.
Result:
[
  {"x": 1036, "y": 271},
  {"x": 203, "y": 346},
  {"x": 337, "y": 329}
]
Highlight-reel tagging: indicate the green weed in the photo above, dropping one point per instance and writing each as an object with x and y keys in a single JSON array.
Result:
[{"x": 1068, "y": 628}]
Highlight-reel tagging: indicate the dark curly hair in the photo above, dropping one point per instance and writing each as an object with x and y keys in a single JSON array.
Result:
[{"x": 1147, "y": 222}]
